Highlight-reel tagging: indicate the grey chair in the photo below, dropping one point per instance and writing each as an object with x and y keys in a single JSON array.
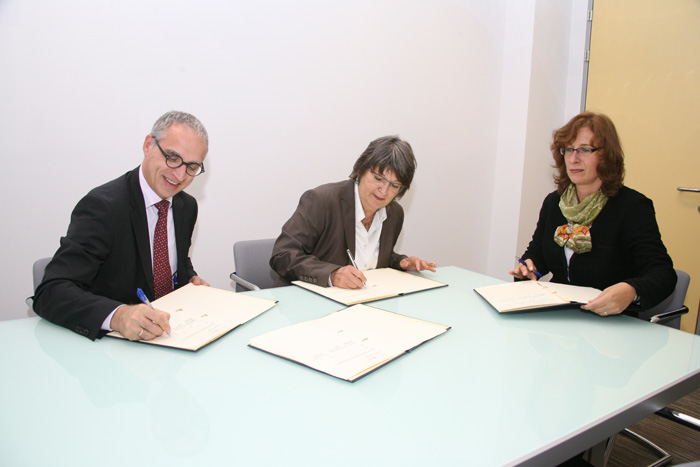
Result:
[
  {"x": 38, "y": 270},
  {"x": 667, "y": 313},
  {"x": 37, "y": 275},
  {"x": 251, "y": 260}
]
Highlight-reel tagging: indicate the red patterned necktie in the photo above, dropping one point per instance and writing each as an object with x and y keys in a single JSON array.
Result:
[{"x": 162, "y": 274}]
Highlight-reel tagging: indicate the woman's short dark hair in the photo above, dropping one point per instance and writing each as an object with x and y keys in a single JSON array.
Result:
[
  {"x": 611, "y": 159},
  {"x": 387, "y": 152}
]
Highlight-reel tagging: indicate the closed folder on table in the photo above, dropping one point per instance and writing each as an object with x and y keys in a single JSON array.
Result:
[
  {"x": 530, "y": 295},
  {"x": 199, "y": 315},
  {"x": 349, "y": 343},
  {"x": 381, "y": 283}
]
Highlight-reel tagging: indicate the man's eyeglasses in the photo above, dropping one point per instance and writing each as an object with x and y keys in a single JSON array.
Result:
[
  {"x": 396, "y": 187},
  {"x": 175, "y": 160},
  {"x": 579, "y": 151}
]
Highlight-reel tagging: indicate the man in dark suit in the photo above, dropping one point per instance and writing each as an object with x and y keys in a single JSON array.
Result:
[{"x": 133, "y": 232}]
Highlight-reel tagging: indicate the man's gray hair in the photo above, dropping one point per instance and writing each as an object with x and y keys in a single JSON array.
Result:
[{"x": 183, "y": 118}]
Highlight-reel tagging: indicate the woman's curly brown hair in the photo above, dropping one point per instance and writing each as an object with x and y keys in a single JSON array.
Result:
[{"x": 611, "y": 162}]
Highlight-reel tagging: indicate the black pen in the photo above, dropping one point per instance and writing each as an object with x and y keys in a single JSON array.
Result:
[{"x": 520, "y": 260}]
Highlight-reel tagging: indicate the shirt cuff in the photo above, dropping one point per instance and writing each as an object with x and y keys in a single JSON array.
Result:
[{"x": 108, "y": 320}]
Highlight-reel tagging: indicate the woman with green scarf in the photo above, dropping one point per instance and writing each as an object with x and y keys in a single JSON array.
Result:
[{"x": 593, "y": 231}]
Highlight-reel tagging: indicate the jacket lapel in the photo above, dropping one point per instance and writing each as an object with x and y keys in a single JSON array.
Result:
[
  {"x": 180, "y": 234},
  {"x": 347, "y": 202},
  {"x": 386, "y": 238},
  {"x": 140, "y": 225}
]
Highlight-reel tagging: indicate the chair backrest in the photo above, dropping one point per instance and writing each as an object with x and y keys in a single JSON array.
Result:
[
  {"x": 38, "y": 270},
  {"x": 251, "y": 258},
  {"x": 37, "y": 276},
  {"x": 672, "y": 302}
]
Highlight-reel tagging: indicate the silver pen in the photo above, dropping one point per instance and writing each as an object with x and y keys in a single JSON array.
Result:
[{"x": 352, "y": 260}]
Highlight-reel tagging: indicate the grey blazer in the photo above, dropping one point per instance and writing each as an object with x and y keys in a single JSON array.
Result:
[{"x": 314, "y": 240}]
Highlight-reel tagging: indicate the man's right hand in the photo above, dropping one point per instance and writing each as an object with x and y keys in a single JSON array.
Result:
[
  {"x": 140, "y": 322},
  {"x": 348, "y": 277}
]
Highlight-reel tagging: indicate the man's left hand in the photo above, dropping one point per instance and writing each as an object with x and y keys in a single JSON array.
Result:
[{"x": 196, "y": 280}]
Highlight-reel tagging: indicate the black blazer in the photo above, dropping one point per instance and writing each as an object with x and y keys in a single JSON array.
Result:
[
  {"x": 314, "y": 240},
  {"x": 627, "y": 247},
  {"x": 106, "y": 255}
]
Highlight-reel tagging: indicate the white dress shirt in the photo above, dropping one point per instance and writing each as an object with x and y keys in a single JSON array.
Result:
[
  {"x": 150, "y": 199},
  {"x": 367, "y": 241}
]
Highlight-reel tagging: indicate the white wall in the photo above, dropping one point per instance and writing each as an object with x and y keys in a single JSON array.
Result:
[
  {"x": 291, "y": 93},
  {"x": 554, "y": 94}
]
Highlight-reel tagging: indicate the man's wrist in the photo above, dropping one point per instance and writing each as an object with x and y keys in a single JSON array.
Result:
[{"x": 107, "y": 323}]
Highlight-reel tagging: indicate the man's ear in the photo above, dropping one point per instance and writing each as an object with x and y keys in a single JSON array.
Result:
[{"x": 147, "y": 144}]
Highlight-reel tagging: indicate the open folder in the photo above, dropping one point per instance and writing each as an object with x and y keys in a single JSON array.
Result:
[
  {"x": 200, "y": 315},
  {"x": 528, "y": 295},
  {"x": 381, "y": 283},
  {"x": 349, "y": 343}
]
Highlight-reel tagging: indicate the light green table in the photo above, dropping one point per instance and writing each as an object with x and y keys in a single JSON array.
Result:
[{"x": 532, "y": 389}]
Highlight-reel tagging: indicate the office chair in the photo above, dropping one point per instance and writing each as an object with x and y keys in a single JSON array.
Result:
[
  {"x": 38, "y": 270},
  {"x": 251, "y": 259},
  {"x": 37, "y": 274},
  {"x": 667, "y": 313}
]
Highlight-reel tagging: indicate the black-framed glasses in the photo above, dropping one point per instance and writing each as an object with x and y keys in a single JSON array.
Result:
[
  {"x": 579, "y": 151},
  {"x": 397, "y": 187},
  {"x": 175, "y": 160}
]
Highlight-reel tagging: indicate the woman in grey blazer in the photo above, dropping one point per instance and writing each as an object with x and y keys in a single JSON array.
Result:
[{"x": 356, "y": 218}]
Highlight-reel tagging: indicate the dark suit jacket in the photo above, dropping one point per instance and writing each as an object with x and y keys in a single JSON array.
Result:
[
  {"x": 106, "y": 255},
  {"x": 314, "y": 240},
  {"x": 627, "y": 247}
]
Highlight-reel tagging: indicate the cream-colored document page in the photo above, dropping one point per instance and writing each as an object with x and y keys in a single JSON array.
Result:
[
  {"x": 349, "y": 343},
  {"x": 523, "y": 295},
  {"x": 381, "y": 283},
  {"x": 201, "y": 314}
]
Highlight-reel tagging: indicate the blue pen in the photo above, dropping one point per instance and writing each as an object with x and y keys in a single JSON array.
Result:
[
  {"x": 537, "y": 274},
  {"x": 146, "y": 301}
]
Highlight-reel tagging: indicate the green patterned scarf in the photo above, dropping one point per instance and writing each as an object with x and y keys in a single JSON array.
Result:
[{"x": 576, "y": 234}]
